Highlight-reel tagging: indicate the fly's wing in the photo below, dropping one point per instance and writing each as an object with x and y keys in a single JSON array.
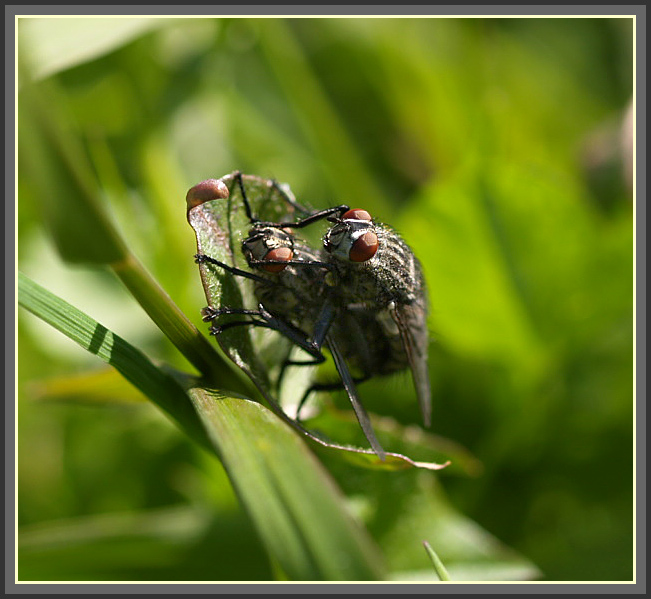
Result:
[
  {"x": 349, "y": 385},
  {"x": 412, "y": 324}
]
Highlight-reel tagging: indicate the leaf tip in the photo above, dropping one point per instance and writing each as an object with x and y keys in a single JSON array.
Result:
[{"x": 210, "y": 189}]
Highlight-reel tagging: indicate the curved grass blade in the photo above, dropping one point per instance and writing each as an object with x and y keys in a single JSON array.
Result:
[
  {"x": 407, "y": 440},
  {"x": 130, "y": 362}
]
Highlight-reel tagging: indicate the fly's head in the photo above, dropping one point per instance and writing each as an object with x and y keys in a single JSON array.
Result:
[
  {"x": 268, "y": 248},
  {"x": 353, "y": 237}
]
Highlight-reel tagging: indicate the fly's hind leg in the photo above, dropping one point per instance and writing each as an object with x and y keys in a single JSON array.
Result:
[{"x": 317, "y": 387}]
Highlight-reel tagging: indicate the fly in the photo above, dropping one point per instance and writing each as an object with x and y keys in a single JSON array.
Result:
[{"x": 377, "y": 277}]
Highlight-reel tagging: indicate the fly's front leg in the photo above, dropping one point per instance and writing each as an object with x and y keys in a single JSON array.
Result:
[
  {"x": 328, "y": 213},
  {"x": 316, "y": 216},
  {"x": 311, "y": 263},
  {"x": 205, "y": 259}
]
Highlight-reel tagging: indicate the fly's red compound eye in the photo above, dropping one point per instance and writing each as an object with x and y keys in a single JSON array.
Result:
[
  {"x": 356, "y": 214},
  {"x": 364, "y": 247},
  {"x": 281, "y": 254}
]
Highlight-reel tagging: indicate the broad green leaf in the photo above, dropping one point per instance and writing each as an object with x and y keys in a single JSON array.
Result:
[
  {"x": 298, "y": 510},
  {"x": 220, "y": 221}
]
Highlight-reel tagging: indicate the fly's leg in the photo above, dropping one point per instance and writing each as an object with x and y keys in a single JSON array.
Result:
[
  {"x": 323, "y": 323},
  {"x": 316, "y": 263},
  {"x": 263, "y": 318},
  {"x": 321, "y": 214},
  {"x": 245, "y": 199},
  {"x": 209, "y": 314},
  {"x": 316, "y": 387},
  {"x": 317, "y": 216},
  {"x": 349, "y": 385},
  {"x": 290, "y": 199},
  {"x": 205, "y": 259},
  {"x": 321, "y": 336}
]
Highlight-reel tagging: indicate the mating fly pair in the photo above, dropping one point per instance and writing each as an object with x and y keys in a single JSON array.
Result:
[{"x": 361, "y": 295}]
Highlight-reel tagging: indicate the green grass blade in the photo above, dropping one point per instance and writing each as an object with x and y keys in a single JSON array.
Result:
[
  {"x": 157, "y": 385},
  {"x": 175, "y": 324},
  {"x": 296, "y": 507},
  {"x": 436, "y": 561},
  {"x": 60, "y": 181}
]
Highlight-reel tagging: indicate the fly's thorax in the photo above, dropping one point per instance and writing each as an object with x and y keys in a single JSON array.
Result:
[
  {"x": 397, "y": 268},
  {"x": 390, "y": 271}
]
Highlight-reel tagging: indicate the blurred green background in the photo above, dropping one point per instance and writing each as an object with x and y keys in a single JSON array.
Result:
[{"x": 499, "y": 149}]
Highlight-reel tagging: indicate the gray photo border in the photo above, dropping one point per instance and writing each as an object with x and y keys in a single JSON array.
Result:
[{"x": 11, "y": 11}]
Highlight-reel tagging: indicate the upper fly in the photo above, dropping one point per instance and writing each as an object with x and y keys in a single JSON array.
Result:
[{"x": 375, "y": 273}]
